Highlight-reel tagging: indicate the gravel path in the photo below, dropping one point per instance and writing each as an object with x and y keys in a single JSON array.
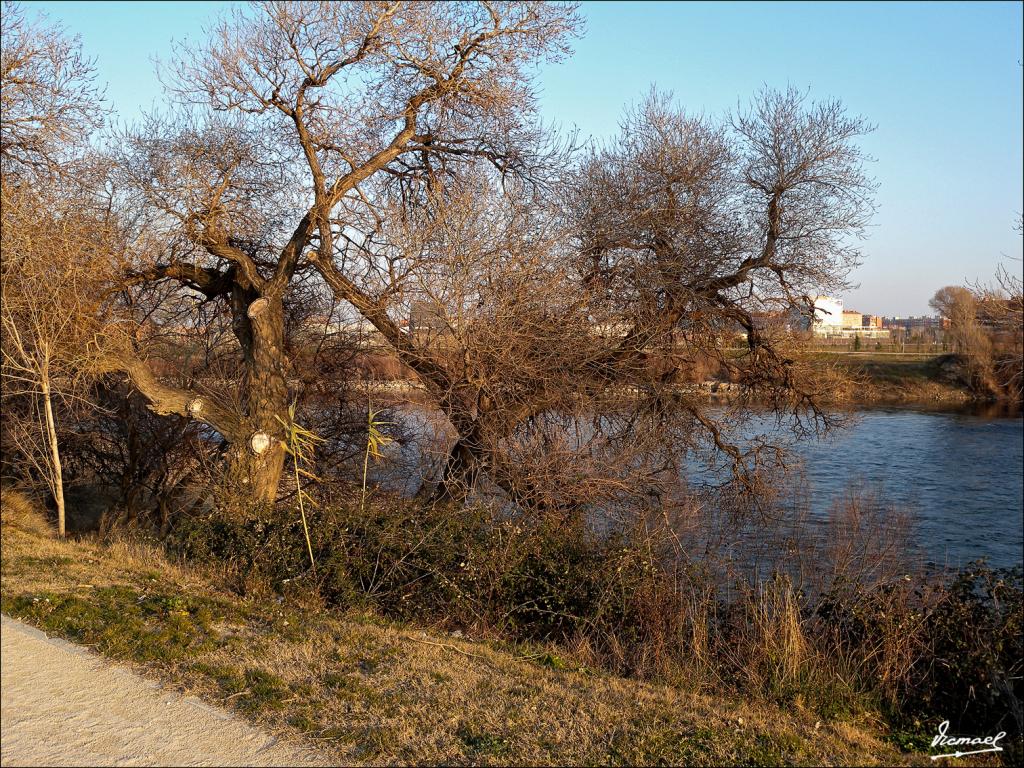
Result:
[{"x": 62, "y": 705}]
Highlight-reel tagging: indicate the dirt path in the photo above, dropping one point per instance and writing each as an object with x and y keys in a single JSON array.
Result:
[{"x": 61, "y": 705}]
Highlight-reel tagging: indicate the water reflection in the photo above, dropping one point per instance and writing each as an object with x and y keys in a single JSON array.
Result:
[{"x": 961, "y": 471}]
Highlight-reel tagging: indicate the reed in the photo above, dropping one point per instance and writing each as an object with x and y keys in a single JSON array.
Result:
[
  {"x": 375, "y": 440},
  {"x": 300, "y": 443}
]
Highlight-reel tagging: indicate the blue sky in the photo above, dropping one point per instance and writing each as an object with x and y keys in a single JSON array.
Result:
[{"x": 942, "y": 81}]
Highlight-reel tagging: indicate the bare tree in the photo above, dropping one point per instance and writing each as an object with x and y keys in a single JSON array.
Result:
[
  {"x": 688, "y": 231},
  {"x": 48, "y": 101},
  {"x": 56, "y": 268},
  {"x": 302, "y": 110},
  {"x": 498, "y": 325},
  {"x": 1000, "y": 309},
  {"x": 391, "y": 150},
  {"x": 56, "y": 242},
  {"x": 959, "y": 306},
  {"x": 559, "y": 340}
]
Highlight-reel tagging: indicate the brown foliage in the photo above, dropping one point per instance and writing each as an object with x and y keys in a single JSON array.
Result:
[
  {"x": 48, "y": 103},
  {"x": 56, "y": 329},
  {"x": 379, "y": 161},
  {"x": 322, "y": 102}
]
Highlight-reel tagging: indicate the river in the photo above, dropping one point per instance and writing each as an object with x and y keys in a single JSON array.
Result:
[{"x": 961, "y": 474}]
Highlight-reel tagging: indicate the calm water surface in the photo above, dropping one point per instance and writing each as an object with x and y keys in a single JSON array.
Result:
[{"x": 963, "y": 474}]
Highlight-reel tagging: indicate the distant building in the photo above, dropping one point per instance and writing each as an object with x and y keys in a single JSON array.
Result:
[
  {"x": 924, "y": 327},
  {"x": 914, "y": 324},
  {"x": 828, "y": 314},
  {"x": 350, "y": 325},
  {"x": 832, "y": 321},
  {"x": 852, "y": 319},
  {"x": 872, "y": 321}
]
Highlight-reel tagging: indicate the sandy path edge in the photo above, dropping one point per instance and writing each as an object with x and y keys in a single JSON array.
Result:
[{"x": 63, "y": 705}]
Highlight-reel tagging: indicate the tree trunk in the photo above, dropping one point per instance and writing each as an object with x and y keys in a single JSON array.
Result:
[
  {"x": 461, "y": 470},
  {"x": 255, "y": 465},
  {"x": 58, "y": 473},
  {"x": 253, "y": 428}
]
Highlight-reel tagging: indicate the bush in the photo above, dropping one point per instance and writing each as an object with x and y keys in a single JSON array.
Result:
[
  {"x": 974, "y": 665},
  {"x": 463, "y": 567},
  {"x": 263, "y": 549},
  {"x": 933, "y": 651},
  {"x": 920, "y": 649}
]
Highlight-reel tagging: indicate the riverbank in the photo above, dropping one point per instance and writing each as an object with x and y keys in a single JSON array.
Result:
[
  {"x": 367, "y": 690},
  {"x": 899, "y": 379},
  {"x": 870, "y": 379}
]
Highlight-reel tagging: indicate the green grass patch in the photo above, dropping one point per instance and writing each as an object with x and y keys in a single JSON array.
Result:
[
  {"x": 263, "y": 691},
  {"x": 229, "y": 679},
  {"x": 119, "y": 621},
  {"x": 253, "y": 691},
  {"x": 481, "y": 743}
]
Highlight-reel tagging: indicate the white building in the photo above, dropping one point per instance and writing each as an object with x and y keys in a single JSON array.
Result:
[
  {"x": 828, "y": 314},
  {"x": 832, "y": 321}
]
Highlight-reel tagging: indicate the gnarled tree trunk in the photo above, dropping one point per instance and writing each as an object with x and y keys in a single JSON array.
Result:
[
  {"x": 461, "y": 469},
  {"x": 253, "y": 432},
  {"x": 256, "y": 463}
]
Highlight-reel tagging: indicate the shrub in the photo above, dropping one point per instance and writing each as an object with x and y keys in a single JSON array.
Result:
[
  {"x": 974, "y": 665},
  {"x": 461, "y": 566},
  {"x": 918, "y": 648},
  {"x": 933, "y": 650},
  {"x": 263, "y": 549}
]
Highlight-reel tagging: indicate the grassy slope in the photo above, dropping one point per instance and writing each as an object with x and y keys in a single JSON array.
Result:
[
  {"x": 368, "y": 691},
  {"x": 892, "y": 378}
]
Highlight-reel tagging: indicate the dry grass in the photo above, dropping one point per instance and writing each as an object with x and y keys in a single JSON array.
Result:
[
  {"x": 881, "y": 379},
  {"x": 19, "y": 510},
  {"x": 369, "y": 691},
  {"x": 779, "y": 637}
]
